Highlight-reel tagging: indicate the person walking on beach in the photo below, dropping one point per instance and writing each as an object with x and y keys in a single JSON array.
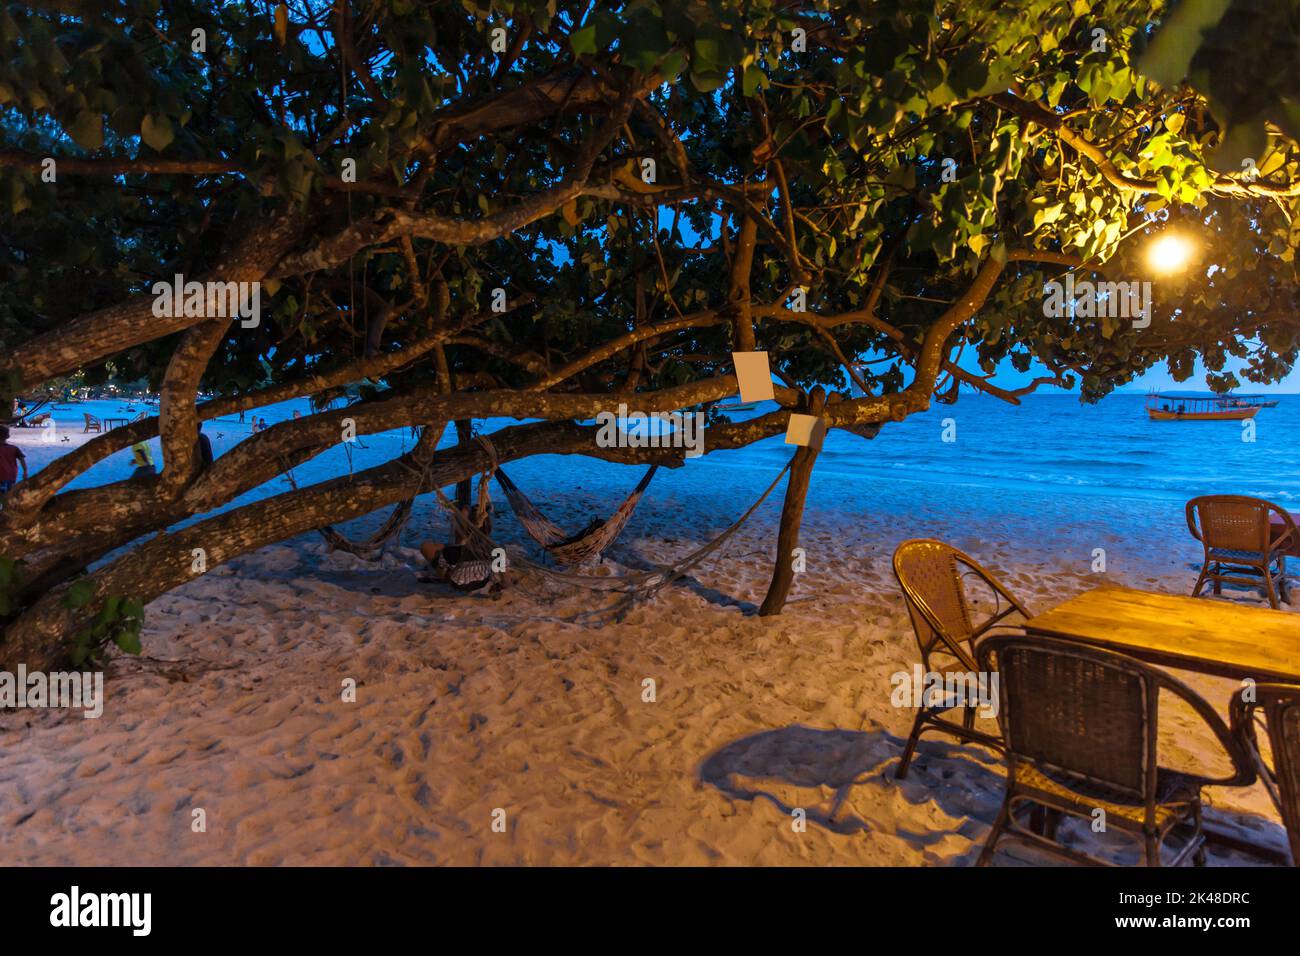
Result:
[{"x": 11, "y": 457}]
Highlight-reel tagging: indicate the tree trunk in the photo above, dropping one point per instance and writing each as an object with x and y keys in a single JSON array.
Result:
[
  {"x": 796, "y": 491},
  {"x": 465, "y": 487}
]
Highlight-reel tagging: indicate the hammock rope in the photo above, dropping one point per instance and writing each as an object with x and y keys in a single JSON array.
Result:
[
  {"x": 632, "y": 587},
  {"x": 373, "y": 547}
]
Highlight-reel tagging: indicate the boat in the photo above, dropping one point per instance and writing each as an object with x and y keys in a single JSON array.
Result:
[
  {"x": 737, "y": 406},
  {"x": 1177, "y": 408}
]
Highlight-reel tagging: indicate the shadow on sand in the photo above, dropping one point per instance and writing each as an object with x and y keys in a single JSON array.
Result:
[
  {"x": 839, "y": 760},
  {"x": 964, "y": 782}
]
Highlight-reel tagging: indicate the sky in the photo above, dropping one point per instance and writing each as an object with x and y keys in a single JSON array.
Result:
[{"x": 1158, "y": 379}]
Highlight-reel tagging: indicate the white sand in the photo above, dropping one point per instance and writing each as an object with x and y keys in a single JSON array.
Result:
[{"x": 469, "y": 704}]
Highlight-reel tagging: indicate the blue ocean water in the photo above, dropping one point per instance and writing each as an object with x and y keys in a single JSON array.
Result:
[
  {"x": 1054, "y": 444},
  {"x": 1003, "y": 456}
]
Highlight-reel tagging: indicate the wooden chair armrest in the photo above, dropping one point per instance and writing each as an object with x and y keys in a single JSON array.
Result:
[
  {"x": 1241, "y": 714},
  {"x": 1233, "y": 741}
]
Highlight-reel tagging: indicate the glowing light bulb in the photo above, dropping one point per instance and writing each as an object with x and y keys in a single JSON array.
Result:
[{"x": 1170, "y": 253}]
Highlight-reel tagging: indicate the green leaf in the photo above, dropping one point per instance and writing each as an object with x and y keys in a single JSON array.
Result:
[
  {"x": 583, "y": 40},
  {"x": 709, "y": 81},
  {"x": 87, "y": 130},
  {"x": 8, "y": 572},
  {"x": 1048, "y": 214},
  {"x": 156, "y": 131},
  {"x": 128, "y": 641},
  {"x": 79, "y": 594},
  {"x": 1170, "y": 54},
  {"x": 1240, "y": 142},
  {"x": 708, "y": 53}
]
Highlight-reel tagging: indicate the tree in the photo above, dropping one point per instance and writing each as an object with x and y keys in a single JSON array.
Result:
[{"x": 652, "y": 184}]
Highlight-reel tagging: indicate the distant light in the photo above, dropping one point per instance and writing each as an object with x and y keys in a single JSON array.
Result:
[{"x": 1170, "y": 253}]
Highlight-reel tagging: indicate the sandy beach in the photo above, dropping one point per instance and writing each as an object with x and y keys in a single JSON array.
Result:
[{"x": 471, "y": 705}]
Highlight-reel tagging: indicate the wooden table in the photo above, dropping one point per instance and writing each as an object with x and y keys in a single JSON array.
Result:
[
  {"x": 1194, "y": 634},
  {"x": 111, "y": 423},
  {"x": 1279, "y": 525}
]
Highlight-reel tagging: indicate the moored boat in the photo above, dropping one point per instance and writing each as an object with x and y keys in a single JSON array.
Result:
[{"x": 1177, "y": 408}]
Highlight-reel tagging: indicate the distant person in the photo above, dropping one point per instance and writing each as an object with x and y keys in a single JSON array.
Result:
[
  {"x": 297, "y": 414},
  {"x": 203, "y": 449},
  {"x": 11, "y": 457},
  {"x": 241, "y": 416},
  {"x": 142, "y": 460}
]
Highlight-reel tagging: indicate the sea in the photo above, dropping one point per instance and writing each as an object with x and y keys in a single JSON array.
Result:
[{"x": 1049, "y": 462}]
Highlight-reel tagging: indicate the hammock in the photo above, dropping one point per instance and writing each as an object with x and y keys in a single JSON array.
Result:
[
  {"x": 632, "y": 587},
  {"x": 371, "y": 548},
  {"x": 588, "y": 543}
]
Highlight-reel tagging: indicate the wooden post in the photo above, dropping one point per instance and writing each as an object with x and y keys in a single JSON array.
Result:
[
  {"x": 796, "y": 490},
  {"x": 464, "y": 488}
]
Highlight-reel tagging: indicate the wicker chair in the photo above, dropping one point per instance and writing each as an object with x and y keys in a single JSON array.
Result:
[
  {"x": 1080, "y": 726},
  {"x": 93, "y": 424},
  {"x": 1281, "y": 706},
  {"x": 1241, "y": 547},
  {"x": 932, "y": 577}
]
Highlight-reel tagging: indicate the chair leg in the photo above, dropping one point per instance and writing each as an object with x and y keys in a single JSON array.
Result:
[
  {"x": 986, "y": 854},
  {"x": 1200, "y": 582},
  {"x": 1283, "y": 585},
  {"x": 1269, "y": 589},
  {"x": 1198, "y": 832},
  {"x": 910, "y": 749},
  {"x": 1153, "y": 849}
]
